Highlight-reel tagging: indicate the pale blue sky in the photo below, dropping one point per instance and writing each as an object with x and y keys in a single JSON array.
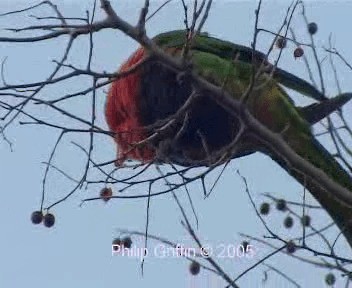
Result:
[{"x": 77, "y": 251}]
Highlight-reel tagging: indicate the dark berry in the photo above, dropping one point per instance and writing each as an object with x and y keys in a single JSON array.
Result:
[
  {"x": 127, "y": 242},
  {"x": 312, "y": 28},
  {"x": 281, "y": 205},
  {"x": 288, "y": 222},
  {"x": 281, "y": 42},
  {"x": 305, "y": 220},
  {"x": 106, "y": 193},
  {"x": 49, "y": 220},
  {"x": 37, "y": 217},
  {"x": 290, "y": 247},
  {"x": 298, "y": 52},
  {"x": 116, "y": 243},
  {"x": 245, "y": 245},
  {"x": 264, "y": 208},
  {"x": 330, "y": 279},
  {"x": 194, "y": 268}
]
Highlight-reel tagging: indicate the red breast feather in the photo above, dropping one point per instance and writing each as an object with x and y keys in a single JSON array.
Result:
[{"x": 122, "y": 113}]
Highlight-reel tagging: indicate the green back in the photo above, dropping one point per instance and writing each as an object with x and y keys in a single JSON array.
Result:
[{"x": 228, "y": 50}]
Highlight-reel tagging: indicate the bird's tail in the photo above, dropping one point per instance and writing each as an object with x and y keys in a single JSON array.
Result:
[
  {"x": 317, "y": 155},
  {"x": 318, "y": 111}
]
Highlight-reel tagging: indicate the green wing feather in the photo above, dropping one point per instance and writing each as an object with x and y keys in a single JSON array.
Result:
[{"x": 229, "y": 50}]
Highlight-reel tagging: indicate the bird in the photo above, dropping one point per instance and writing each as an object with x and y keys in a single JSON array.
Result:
[{"x": 150, "y": 94}]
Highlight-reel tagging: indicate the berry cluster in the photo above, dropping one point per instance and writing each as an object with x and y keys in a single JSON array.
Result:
[
  {"x": 38, "y": 217},
  {"x": 281, "y": 205},
  {"x": 125, "y": 242},
  {"x": 281, "y": 41}
]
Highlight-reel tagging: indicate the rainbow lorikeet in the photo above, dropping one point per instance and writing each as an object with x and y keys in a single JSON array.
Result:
[{"x": 154, "y": 92}]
